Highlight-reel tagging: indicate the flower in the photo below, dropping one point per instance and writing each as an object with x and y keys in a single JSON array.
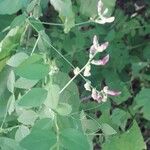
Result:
[
  {"x": 87, "y": 85},
  {"x": 102, "y": 61},
  {"x": 76, "y": 71},
  {"x": 102, "y": 18},
  {"x": 96, "y": 95},
  {"x": 96, "y": 47},
  {"x": 87, "y": 72},
  {"x": 110, "y": 92}
]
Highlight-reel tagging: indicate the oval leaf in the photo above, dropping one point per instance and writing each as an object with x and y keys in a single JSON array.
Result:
[{"x": 35, "y": 97}]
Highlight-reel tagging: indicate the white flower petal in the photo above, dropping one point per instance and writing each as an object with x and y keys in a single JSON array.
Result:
[
  {"x": 87, "y": 72},
  {"x": 76, "y": 71},
  {"x": 87, "y": 85}
]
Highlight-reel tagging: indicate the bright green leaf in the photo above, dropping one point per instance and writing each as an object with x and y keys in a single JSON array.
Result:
[
  {"x": 21, "y": 133},
  {"x": 11, "y": 82},
  {"x": 73, "y": 139},
  {"x": 9, "y": 144},
  {"x": 24, "y": 83},
  {"x": 35, "y": 97},
  {"x": 27, "y": 117},
  {"x": 131, "y": 140},
  {"x": 32, "y": 71},
  {"x": 107, "y": 129},
  {"x": 52, "y": 96},
  {"x": 39, "y": 140},
  {"x": 64, "y": 109},
  {"x": 11, "y": 104},
  {"x": 18, "y": 21},
  {"x": 9, "y": 7}
]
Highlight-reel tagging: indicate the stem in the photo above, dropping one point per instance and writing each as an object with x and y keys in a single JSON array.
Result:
[
  {"x": 73, "y": 78},
  {"x": 78, "y": 74},
  {"x": 59, "y": 24},
  {"x": 57, "y": 130},
  {"x": 35, "y": 45}
]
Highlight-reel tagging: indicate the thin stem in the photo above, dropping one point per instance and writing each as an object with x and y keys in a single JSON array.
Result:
[
  {"x": 50, "y": 23},
  {"x": 73, "y": 78},
  {"x": 57, "y": 131},
  {"x": 59, "y": 24},
  {"x": 83, "y": 23},
  {"x": 78, "y": 74},
  {"x": 35, "y": 45}
]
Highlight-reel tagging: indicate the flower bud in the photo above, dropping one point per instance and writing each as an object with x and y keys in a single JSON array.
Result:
[
  {"x": 76, "y": 71},
  {"x": 87, "y": 72},
  {"x": 87, "y": 85}
]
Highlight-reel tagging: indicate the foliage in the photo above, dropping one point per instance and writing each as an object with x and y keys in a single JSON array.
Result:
[{"x": 43, "y": 102}]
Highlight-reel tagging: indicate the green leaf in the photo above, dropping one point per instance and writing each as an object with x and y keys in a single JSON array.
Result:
[
  {"x": 23, "y": 83},
  {"x": 4, "y": 93},
  {"x": 32, "y": 71},
  {"x": 70, "y": 95},
  {"x": 130, "y": 140},
  {"x": 21, "y": 133},
  {"x": 10, "y": 42},
  {"x": 64, "y": 7},
  {"x": 43, "y": 124},
  {"x": 92, "y": 7},
  {"x": 11, "y": 82},
  {"x": 73, "y": 139},
  {"x": 7, "y": 7},
  {"x": 35, "y": 97},
  {"x": 107, "y": 129},
  {"x": 36, "y": 24},
  {"x": 52, "y": 96},
  {"x": 9, "y": 144},
  {"x": 18, "y": 21},
  {"x": 17, "y": 59},
  {"x": 143, "y": 100},
  {"x": 27, "y": 117},
  {"x": 35, "y": 58},
  {"x": 119, "y": 117},
  {"x": 39, "y": 140},
  {"x": 64, "y": 109},
  {"x": 11, "y": 104}
]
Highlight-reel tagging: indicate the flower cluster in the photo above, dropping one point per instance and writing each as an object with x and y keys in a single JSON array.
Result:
[
  {"x": 99, "y": 96},
  {"x": 102, "y": 12}
]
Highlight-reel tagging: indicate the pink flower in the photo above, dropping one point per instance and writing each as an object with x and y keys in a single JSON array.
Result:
[
  {"x": 102, "y": 61},
  {"x": 102, "y": 47},
  {"x": 96, "y": 95},
  {"x": 110, "y": 92},
  {"x": 96, "y": 47},
  {"x": 102, "y": 14}
]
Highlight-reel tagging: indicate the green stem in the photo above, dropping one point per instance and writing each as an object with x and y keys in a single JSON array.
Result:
[
  {"x": 73, "y": 78},
  {"x": 35, "y": 45}
]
